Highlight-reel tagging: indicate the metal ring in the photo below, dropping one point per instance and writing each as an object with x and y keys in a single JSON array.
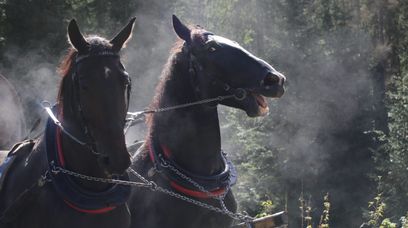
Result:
[
  {"x": 153, "y": 186},
  {"x": 45, "y": 104},
  {"x": 227, "y": 87},
  {"x": 240, "y": 94}
]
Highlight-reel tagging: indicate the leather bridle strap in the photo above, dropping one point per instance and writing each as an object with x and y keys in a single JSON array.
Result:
[
  {"x": 47, "y": 106},
  {"x": 195, "y": 68},
  {"x": 83, "y": 122}
]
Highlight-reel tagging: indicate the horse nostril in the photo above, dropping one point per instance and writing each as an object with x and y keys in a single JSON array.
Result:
[{"x": 271, "y": 79}]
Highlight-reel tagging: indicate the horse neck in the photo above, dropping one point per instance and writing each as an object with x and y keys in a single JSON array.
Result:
[
  {"x": 191, "y": 134},
  {"x": 78, "y": 158}
]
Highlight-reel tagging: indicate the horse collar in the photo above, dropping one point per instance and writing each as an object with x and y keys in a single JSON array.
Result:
[
  {"x": 71, "y": 193},
  {"x": 216, "y": 184}
]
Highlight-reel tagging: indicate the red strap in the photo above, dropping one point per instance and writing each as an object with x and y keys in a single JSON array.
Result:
[
  {"x": 179, "y": 188},
  {"x": 197, "y": 194},
  {"x": 62, "y": 163},
  {"x": 166, "y": 151},
  {"x": 96, "y": 211}
]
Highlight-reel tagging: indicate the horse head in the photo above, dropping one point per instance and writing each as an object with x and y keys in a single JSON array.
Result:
[
  {"x": 221, "y": 67},
  {"x": 97, "y": 98}
]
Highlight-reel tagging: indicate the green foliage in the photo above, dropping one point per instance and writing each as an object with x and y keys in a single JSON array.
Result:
[
  {"x": 267, "y": 208},
  {"x": 376, "y": 211},
  {"x": 325, "y": 217},
  {"x": 335, "y": 121},
  {"x": 404, "y": 221},
  {"x": 386, "y": 223},
  {"x": 392, "y": 157}
]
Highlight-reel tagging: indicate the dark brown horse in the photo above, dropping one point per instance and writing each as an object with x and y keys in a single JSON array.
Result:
[
  {"x": 182, "y": 152},
  {"x": 92, "y": 105}
]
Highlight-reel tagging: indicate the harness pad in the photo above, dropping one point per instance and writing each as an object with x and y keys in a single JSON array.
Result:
[{"x": 18, "y": 150}]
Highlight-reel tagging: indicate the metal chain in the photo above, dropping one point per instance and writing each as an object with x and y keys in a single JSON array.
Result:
[
  {"x": 236, "y": 216},
  {"x": 164, "y": 109},
  {"x": 220, "y": 198},
  {"x": 195, "y": 184},
  {"x": 154, "y": 187},
  {"x": 56, "y": 170},
  {"x": 136, "y": 116}
]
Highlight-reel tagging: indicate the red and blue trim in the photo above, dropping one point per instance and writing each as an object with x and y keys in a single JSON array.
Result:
[
  {"x": 180, "y": 185},
  {"x": 74, "y": 196}
]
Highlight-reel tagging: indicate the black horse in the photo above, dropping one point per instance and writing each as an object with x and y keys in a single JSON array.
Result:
[
  {"x": 183, "y": 146},
  {"x": 92, "y": 106}
]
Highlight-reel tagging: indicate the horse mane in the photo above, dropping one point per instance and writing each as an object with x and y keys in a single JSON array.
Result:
[
  {"x": 176, "y": 56},
  {"x": 166, "y": 74},
  {"x": 64, "y": 70}
]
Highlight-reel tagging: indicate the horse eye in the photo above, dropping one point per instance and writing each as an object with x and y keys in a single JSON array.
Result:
[{"x": 212, "y": 49}]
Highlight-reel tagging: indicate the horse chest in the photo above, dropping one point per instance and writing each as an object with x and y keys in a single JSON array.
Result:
[{"x": 47, "y": 210}]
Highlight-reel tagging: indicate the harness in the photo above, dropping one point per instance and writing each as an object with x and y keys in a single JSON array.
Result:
[
  {"x": 71, "y": 193},
  {"x": 195, "y": 69},
  {"x": 180, "y": 179},
  {"x": 190, "y": 183},
  {"x": 74, "y": 195},
  {"x": 214, "y": 186},
  {"x": 94, "y": 52}
]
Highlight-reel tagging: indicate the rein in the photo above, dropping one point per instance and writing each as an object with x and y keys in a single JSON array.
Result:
[
  {"x": 136, "y": 117},
  {"x": 193, "y": 69},
  {"x": 236, "y": 93},
  {"x": 79, "y": 58},
  {"x": 47, "y": 106}
]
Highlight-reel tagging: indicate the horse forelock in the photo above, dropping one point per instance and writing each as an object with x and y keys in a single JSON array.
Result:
[{"x": 98, "y": 44}]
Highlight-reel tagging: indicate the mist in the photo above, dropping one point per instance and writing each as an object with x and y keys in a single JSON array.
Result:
[{"x": 304, "y": 137}]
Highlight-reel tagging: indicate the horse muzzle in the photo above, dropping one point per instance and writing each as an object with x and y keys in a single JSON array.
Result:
[
  {"x": 114, "y": 158},
  {"x": 272, "y": 85}
]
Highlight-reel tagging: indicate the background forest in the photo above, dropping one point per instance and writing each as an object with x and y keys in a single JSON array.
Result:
[{"x": 334, "y": 149}]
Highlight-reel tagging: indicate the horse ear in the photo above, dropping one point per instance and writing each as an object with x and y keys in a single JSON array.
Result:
[
  {"x": 76, "y": 38},
  {"x": 121, "y": 38},
  {"x": 182, "y": 30}
]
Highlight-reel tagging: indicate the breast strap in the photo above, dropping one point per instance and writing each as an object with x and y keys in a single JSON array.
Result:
[
  {"x": 216, "y": 184},
  {"x": 74, "y": 195}
]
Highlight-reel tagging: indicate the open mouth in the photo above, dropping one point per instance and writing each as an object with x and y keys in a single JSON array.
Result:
[{"x": 263, "y": 108}]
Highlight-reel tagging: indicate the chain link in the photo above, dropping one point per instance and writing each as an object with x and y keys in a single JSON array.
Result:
[
  {"x": 236, "y": 216},
  {"x": 154, "y": 187},
  {"x": 204, "y": 101},
  {"x": 137, "y": 116},
  {"x": 56, "y": 170},
  {"x": 220, "y": 198}
]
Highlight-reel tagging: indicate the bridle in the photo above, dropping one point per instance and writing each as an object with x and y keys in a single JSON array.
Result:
[
  {"x": 195, "y": 68},
  {"x": 90, "y": 142}
]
